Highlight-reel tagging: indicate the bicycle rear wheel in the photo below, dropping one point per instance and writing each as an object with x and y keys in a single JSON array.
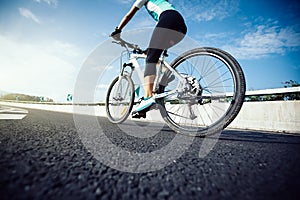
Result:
[
  {"x": 119, "y": 99},
  {"x": 212, "y": 97}
]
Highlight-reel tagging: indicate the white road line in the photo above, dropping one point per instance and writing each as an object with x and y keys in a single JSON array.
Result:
[
  {"x": 12, "y": 113},
  {"x": 12, "y": 116}
]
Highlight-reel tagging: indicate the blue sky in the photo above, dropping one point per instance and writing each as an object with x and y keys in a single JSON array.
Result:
[{"x": 44, "y": 42}]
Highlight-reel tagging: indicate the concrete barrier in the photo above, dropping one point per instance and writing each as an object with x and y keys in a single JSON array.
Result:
[
  {"x": 278, "y": 116},
  {"x": 275, "y": 116}
]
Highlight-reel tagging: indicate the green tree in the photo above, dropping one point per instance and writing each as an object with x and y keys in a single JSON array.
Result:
[{"x": 291, "y": 83}]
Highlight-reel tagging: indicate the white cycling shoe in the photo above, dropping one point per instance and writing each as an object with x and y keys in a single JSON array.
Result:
[{"x": 143, "y": 107}]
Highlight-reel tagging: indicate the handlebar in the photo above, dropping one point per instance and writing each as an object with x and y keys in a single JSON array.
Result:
[{"x": 128, "y": 45}]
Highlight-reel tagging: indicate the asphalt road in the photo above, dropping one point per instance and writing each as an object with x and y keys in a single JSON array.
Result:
[{"x": 42, "y": 157}]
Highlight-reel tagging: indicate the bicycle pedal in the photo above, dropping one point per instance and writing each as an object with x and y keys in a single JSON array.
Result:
[{"x": 138, "y": 115}]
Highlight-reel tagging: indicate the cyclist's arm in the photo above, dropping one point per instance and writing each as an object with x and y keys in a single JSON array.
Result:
[{"x": 128, "y": 17}]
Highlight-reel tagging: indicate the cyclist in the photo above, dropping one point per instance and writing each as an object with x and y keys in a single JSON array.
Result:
[{"x": 170, "y": 30}]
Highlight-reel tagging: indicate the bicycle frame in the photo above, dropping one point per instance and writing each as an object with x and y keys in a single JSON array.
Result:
[{"x": 134, "y": 65}]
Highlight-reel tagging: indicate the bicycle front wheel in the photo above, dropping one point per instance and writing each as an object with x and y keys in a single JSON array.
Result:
[
  {"x": 119, "y": 99},
  {"x": 212, "y": 95}
]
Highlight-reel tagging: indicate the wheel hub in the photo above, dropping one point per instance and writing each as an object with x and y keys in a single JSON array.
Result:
[{"x": 192, "y": 89}]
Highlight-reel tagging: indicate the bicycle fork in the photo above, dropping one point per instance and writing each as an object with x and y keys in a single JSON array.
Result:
[
  {"x": 123, "y": 69},
  {"x": 118, "y": 95}
]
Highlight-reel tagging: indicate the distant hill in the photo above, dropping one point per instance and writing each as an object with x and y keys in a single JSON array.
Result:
[{"x": 23, "y": 97}]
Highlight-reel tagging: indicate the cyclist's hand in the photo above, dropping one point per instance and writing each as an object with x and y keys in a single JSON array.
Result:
[{"x": 116, "y": 34}]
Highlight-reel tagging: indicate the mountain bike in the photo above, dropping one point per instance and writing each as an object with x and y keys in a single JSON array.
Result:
[{"x": 199, "y": 93}]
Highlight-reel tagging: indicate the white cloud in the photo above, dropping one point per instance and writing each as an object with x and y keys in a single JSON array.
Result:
[
  {"x": 125, "y": 1},
  {"x": 207, "y": 10},
  {"x": 264, "y": 40},
  {"x": 28, "y": 14},
  {"x": 49, "y": 2},
  {"x": 144, "y": 21},
  {"x": 62, "y": 48},
  {"x": 38, "y": 69}
]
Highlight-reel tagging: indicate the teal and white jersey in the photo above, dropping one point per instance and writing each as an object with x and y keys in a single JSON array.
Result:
[{"x": 154, "y": 7}]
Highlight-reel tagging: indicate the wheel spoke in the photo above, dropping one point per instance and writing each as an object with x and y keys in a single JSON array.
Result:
[
  {"x": 213, "y": 77},
  {"x": 120, "y": 99}
]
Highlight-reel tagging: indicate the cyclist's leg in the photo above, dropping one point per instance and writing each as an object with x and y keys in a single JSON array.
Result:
[
  {"x": 169, "y": 31},
  {"x": 148, "y": 85},
  {"x": 150, "y": 70}
]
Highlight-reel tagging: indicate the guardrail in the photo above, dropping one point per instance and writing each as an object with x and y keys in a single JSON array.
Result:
[
  {"x": 276, "y": 116},
  {"x": 274, "y": 91}
]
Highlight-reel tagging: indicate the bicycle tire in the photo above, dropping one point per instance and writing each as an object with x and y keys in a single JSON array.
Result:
[
  {"x": 128, "y": 105},
  {"x": 238, "y": 95}
]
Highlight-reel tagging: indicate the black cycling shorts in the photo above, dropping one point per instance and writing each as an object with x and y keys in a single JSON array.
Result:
[{"x": 169, "y": 30}]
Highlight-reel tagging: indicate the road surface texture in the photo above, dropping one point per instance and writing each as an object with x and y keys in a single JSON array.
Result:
[{"x": 42, "y": 157}]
